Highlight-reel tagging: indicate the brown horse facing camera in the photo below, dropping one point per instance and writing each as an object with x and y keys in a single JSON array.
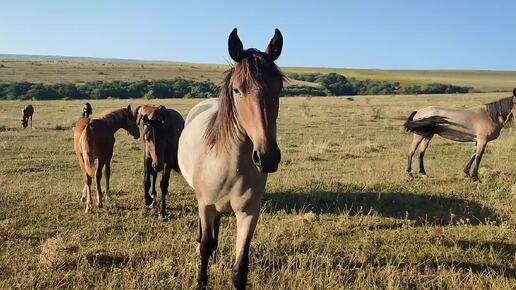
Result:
[
  {"x": 479, "y": 124},
  {"x": 161, "y": 130},
  {"x": 27, "y": 116},
  {"x": 229, "y": 146},
  {"x": 94, "y": 139}
]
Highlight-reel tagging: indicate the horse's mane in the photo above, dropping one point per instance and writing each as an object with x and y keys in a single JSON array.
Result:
[
  {"x": 501, "y": 108},
  {"x": 222, "y": 126},
  {"x": 113, "y": 118}
]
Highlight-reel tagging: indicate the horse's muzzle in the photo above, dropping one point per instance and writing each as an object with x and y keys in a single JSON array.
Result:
[{"x": 268, "y": 162}]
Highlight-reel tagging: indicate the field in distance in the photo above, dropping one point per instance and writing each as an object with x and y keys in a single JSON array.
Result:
[
  {"x": 76, "y": 71},
  {"x": 339, "y": 214}
]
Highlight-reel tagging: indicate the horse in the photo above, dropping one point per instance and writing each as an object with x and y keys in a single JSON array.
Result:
[
  {"x": 228, "y": 147},
  {"x": 27, "y": 115},
  {"x": 94, "y": 139},
  {"x": 87, "y": 110},
  {"x": 162, "y": 128},
  {"x": 480, "y": 124}
]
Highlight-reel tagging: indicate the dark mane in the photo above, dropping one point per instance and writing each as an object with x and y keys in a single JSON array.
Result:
[
  {"x": 250, "y": 71},
  {"x": 501, "y": 108}
]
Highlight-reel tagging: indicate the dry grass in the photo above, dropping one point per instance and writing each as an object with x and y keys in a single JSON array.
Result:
[{"x": 339, "y": 214}]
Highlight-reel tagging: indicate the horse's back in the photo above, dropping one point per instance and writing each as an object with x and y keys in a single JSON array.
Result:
[{"x": 201, "y": 107}]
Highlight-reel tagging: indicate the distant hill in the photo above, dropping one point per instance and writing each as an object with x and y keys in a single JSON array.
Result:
[{"x": 59, "y": 69}]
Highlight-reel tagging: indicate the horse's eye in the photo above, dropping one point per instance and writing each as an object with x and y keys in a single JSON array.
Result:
[{"x": 236, "y": 92}]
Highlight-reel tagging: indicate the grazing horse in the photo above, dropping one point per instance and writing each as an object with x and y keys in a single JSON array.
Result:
[
  {"x": 27, "y": 115},
  {"x": 229, "y": 146},
  {"x": 87, "y": 110},
  {"x": 479, "y": 124},
  {"x": 94, "y": 139},
  {"x": 161, "y": 131}
]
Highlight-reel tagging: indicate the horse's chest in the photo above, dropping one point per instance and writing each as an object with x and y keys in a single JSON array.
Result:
[{"x": 228, "y": 186}]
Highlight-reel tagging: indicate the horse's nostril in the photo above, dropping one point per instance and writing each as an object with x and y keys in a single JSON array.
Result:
[{"x": 256, "y": 157}]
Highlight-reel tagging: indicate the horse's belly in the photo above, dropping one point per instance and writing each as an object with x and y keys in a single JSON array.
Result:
[{"x": 456, "y": 133}]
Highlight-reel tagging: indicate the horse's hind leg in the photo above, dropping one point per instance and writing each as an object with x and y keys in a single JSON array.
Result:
[
  {"x": 246, "y": 224},
  {"x": 481, "y": 147},
  {"x": 87, "y": 181},
  {"x": 416, "y": 139},
  {"x": 422, "y": 148},
  {"x": 209, "y": 218},
  {"x": 100, "y": 197}
]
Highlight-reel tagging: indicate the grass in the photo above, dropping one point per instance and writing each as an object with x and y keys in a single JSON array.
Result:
[
  {"x": 339, "y": 214},
  {"x": 79, "y": 72}
]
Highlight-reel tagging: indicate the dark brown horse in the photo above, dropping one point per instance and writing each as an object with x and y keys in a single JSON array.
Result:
[
  {"x": 27, "y": 116},
  {"x": 479, "y": 124},
  {"x": 87, "y": 110},
  {"x": 229, "y": 146},
  {"x": 161, "y": 130},
  {"x": 94, "y": 139}
]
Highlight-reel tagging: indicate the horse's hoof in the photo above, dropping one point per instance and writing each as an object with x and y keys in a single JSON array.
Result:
[
  {"x": 409, "y": 174},
  {"x": 423, "y": 175},
  {"x": 87, "y": 211},
  {"x": 100, "y": 205}
]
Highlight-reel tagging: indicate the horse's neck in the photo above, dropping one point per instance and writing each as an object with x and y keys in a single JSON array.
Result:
[{"x": 113, "y": 123}]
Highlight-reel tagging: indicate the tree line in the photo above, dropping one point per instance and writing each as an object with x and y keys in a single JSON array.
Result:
[
  {"x": 331, "y": 84},
  {"x": 159, "y": 89}
]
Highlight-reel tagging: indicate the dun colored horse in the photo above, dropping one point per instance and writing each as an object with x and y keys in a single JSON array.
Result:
[
  {"x": 229, "y": 146},
  {"x": 94, "y": 139},
  {"x": 87, "y": 110},
  {"x": 27, "y": 116},
  {"x": 479, "y": 124},
  {"x": 162, "y": 128}
]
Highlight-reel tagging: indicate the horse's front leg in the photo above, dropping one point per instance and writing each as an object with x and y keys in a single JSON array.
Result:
[
  {"x": 481, "y": 147},
  {"x": 164, "y": 188},
  {"x": 468, "y": 165},
  {"x": 147, "y": 170},
  {"x": 107, "y": 172},
  {"x": 246, "y": 224},
  {"x": 209, "y": 228}
]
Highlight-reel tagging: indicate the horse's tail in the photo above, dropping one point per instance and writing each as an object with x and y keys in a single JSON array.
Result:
[
  {"x": 86, "y": 144},
  {"x": 424, "y": 126},
  {"x": 409, "y": 119}
]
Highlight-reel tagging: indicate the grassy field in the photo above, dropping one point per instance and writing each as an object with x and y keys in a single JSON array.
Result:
[
  {"x": 80, "y": 72},
  {"x": 339, "y": 214}
]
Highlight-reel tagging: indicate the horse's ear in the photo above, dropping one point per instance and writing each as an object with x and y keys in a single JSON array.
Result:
[
  {"x": 514, "y": 93},
  {"x": 275, "y": 46},
  {"x": 129, "y": 108},
  {"x": 235, "y": 46}
]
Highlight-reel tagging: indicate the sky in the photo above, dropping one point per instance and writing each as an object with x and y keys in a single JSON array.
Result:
[{"x": 394, "y": 34}]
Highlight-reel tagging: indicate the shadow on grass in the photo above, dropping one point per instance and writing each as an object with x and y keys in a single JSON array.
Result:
[{"x": 422, "y": 208}]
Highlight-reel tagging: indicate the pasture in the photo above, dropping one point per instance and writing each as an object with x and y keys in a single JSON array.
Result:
[
  {"x": 78, "y": 72},
  {"x": 340, "y": 213}
]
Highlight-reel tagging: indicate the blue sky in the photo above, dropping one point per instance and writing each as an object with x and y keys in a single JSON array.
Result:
[{"x": 416, "y": 34}]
